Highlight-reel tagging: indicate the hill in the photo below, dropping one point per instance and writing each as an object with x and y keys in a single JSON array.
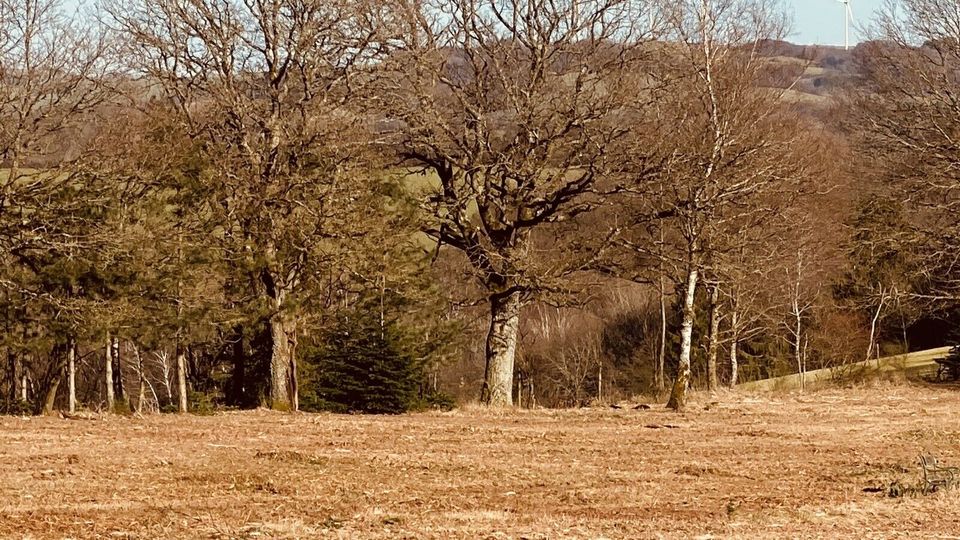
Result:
[{"x": 813, "y": 73}]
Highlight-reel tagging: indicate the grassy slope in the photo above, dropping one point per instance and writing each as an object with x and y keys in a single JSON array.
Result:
[{"x": 921, "y": 361}]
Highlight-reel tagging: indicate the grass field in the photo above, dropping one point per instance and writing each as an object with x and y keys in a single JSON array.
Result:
[{"x": 734, "y": 466}]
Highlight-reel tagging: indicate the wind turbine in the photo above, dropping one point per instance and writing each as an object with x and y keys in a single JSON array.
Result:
[{"x": 847, "y": 15}]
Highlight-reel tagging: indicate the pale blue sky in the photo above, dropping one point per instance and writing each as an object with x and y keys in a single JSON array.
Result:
[
  {"x": 821, "y": 21},
  {"x": 814, "y": 21}
]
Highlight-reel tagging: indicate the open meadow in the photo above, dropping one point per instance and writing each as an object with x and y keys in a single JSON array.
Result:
[{"x": 733, "y": 466}]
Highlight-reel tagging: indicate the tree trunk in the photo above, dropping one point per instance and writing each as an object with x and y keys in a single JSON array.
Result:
[
  {"x": 51, "y": 398},
  {"x": 734, "y": 345},
  {"x": 141, "y": 379},
  {"x": 714, "y": 340},
  {"x": 72, "y": 376},
  {"x": 14, "y": 362},
  {"x": 282, "y": 364},
  {"x": 119, "y": 391},
  {"x": 797, "y": 348},
  {"x": 873, "y": 328},
  {"x": 678, "y": 396},
  {"x": 108, "y": 373},
  {"x": 181, "y": 379},
  {"x": 661, "y": 357},
  {"x": 294, "y": 381},
  {"x": 600, "y": 382},
  {"x": 501, "y": 349}
]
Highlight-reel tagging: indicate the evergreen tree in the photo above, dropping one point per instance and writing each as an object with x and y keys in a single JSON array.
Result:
[{"x": 365, "y": 365}]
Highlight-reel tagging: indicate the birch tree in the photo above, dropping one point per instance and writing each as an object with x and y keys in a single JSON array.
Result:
[{"x": 731, "y": 146}]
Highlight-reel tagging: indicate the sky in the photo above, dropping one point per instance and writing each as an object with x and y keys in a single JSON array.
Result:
[
  {"x": 821, "y": 21},
  {"x": 814, "y": 21}
]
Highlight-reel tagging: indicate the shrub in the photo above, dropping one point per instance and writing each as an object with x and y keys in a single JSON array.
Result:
[
  {"x": 16, "y": 408},
  {"x": 436, "y": 400}
]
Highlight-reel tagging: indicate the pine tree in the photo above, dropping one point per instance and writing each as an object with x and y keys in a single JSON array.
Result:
[{"x": 365, "y": 365}]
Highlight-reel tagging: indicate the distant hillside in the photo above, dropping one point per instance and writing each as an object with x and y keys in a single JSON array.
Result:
[{"x": 814, "y": 73}]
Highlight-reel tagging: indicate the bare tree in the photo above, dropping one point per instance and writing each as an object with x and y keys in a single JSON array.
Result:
[
  {"x": 730, "y": 146},
  {"x": 906, "y": 118},
  {"x": 515, "y": 109},
  {"x": 266, "y": 90},
  {"x": 750, "y": 273}
]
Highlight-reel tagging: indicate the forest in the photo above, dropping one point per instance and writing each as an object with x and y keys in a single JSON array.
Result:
[{"x": 385, "y": 206}]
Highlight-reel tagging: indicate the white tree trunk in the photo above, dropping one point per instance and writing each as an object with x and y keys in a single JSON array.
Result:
[
  {"x": 600, "y": 382},
  {"x": 678, "y": 396},
  {"x": 72, "y": 376},
  {"x": 108, "y": 373},
  {"x": 734, "y": 345},
  {"x": 501, "y": 349},
  {"x": 873, "y": 327},
  {"x": 182, "y": 380}
]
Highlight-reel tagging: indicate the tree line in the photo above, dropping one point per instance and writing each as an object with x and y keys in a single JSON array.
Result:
[{"x": 351, "y": 205}]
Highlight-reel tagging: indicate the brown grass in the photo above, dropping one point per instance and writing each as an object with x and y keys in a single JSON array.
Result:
[{"x": 739, "y": 467}]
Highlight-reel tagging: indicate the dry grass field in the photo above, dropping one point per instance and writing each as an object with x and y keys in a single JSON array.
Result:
[{"x": 734, "y": 466}]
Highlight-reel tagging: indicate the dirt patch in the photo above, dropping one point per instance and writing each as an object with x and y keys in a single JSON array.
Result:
[{"x": 748, "y": 467}]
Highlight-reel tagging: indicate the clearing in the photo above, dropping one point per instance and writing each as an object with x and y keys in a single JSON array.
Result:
[{"x": 743, "y": 466}]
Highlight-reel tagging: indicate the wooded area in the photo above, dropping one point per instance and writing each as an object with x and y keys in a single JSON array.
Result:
[{"x": 381, "y": 206}]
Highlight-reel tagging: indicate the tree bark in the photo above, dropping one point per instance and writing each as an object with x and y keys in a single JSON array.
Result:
[
  {"x": 659, "y": 377},
  {"x": 734, "y": 345},
  {"x": 662, "y": 356},
  {"x": 501, "y": 349},
  {"x": 51, "y": 398},
  {"x": 141, "y": 379},
  {"x": 714, "y": 340},
  {"x": 108, "y": 373},
  {"x": 119, "y": 391},
  {"x": 678, "y": 396},
  {"x": 600, "y": 382},
  {"x": 798, "y": 345},
  {"x": 72, "y": 376},
  {"x": 282, "y": 364},
  {"x": 14, "y": 375},
  {"x": 182, "y": 379},
  {"x": 873, "y": 328}
]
